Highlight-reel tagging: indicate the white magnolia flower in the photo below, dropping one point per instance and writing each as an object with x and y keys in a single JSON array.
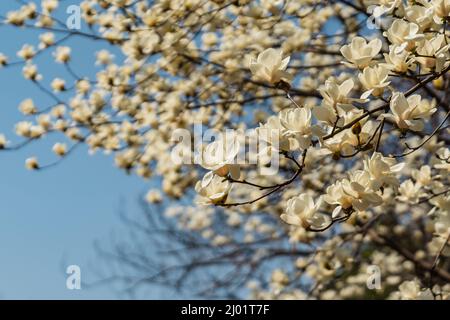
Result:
[
  {"x": 442, "y": 203},
  {"x": 27, "y": 107},
  {"x": 382, "y": 170},
  {"x": 433, "y": 53},
  {"x": 271, "y": 132},
  {"x": 220, "y": 156},
  {"x": 355, "y": 192},
  {"x": 403, "y": 34},
  {"x": 58, "y": 85},
  {"x": 302, "y": 211},
  {"x": 335, "y": 194},
  {"x": 340, "y": 143},
  {"x": 442, "y": 222},
  {"x": 32, "y": 163},
  {"x": 49, "y": 5},
  {"x": 374, "y": 80},
  {"x": 437, "y": 243},
  {"x": 442, "y": 161},
  {"x": 360, "y": 53},
  {"x": 143, "y": 43},
  {"x": 423, "y": 176},
  {"x": 270, "y": 66},
  {"x": 398, "y": 60},
  {"x": 407, "y": 112},
  {"x": 410, "y": 191},
  {"x": 297, "y": 125},
  {"x": 336, "y": 96},
  {"x": 3, "y": 141},
  {"x": 47, "y": 39},
  {"x": 213, "y": 189},
  {"x": 441, "y": 10},
  {"x": 60, "y": 149},
  {"x": 27, "y": 52},
  {"x": 410, "y": 290},
  {"x": 62, "y": 54},
  {"x": 420, "y": 15},
  {"x": 103, "y": 57},
  {"x": 386, "y": 7},
  {"x": 359, "y": 186},
  {"x": 3, "y": 60},
  {"x": 279, "y": 277},
  {"x": 327, "y": 114},
  {"x": 23, "y": 128},
  {"x": 153, "y": 196},
  {"x": 16, "y": 18},
  {"x": 30, "y": 72}
]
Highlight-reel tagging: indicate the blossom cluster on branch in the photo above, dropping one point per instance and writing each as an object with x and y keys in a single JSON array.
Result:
[{"x": 357, "y": 120}]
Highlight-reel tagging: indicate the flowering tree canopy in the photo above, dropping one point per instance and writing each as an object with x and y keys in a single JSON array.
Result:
[{"x": 298, "y": 143}]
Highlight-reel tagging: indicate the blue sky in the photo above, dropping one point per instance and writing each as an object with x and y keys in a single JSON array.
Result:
[{"x": 49, "y": 219}]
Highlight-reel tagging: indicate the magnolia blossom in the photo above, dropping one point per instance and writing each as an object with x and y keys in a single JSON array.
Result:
[
  {"x": 27, "y": 52},
  {"x": 442, "y": 162},
  {"x": 360, "y": 53},
  {"x": 270, "y": 66},
  {"x": 339, "y": 144},
  {"x": 27, "y": 107},
  {"x": 103, "y": 57},
  {"x": 297, "y": 124},
  {"x": 47, "y": 40},
  {"x": 49, "y": 5},
  {"x": 410, "y": 290},
  {"x": 382, "y": 170},
  {"x": 60, "y": 149},
  {"x": 360, "y": 187},
  {"x": 375, "y": 80},
  {"x": 441, "y": 10},
  {"x": 153, "y": 196},
  {"x": 30, "y": 71},
  {"x": 423, "y": 176},
  {"x": 302, "y": 211},
  {"x": 58, "y": 85},
  {"x": 386, "y": 7},
  {"x": 403, "y": 34},
  {"x": 409, "y": 112},
  {"x": 336, "y": 96},
  {"x": 212, "y": 189},
  {"x": 442, "y": 222},
  {"x": 335, "y": 194},
  {"x": 32, "y": 163},
  {"x": 271, "y": 132},
  {"x": 409, "y": 191},
  {"x": 398, "y": 60},
  {"x": 279, "y": 277},
  {"x": 355, "y": 192},
  {"x": 3, "y": 60},
  {"x": 434, "y": 53},
  {"x": 420, "y": 15},
  {"x": 62, "y": 54},
  {"x": 220, "y": 156},
  {"x": 3, "y": 141}
]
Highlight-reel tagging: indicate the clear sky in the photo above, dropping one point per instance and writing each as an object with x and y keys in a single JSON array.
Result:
[{"x": 49, "y": 219}]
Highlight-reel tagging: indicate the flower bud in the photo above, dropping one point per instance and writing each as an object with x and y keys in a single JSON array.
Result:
[{"x": 356, "y": 129}]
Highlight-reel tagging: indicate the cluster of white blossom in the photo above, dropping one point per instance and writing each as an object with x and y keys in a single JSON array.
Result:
[{"x": 357, "y": 121}]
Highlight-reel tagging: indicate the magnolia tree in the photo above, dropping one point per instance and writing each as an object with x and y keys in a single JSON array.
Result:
[{"x": 301, "y": 146}]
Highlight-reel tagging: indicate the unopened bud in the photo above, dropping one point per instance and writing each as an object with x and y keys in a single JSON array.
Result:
[
  {"x": 356, "y": 129},
  {"x": 439, "y": 83}
]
